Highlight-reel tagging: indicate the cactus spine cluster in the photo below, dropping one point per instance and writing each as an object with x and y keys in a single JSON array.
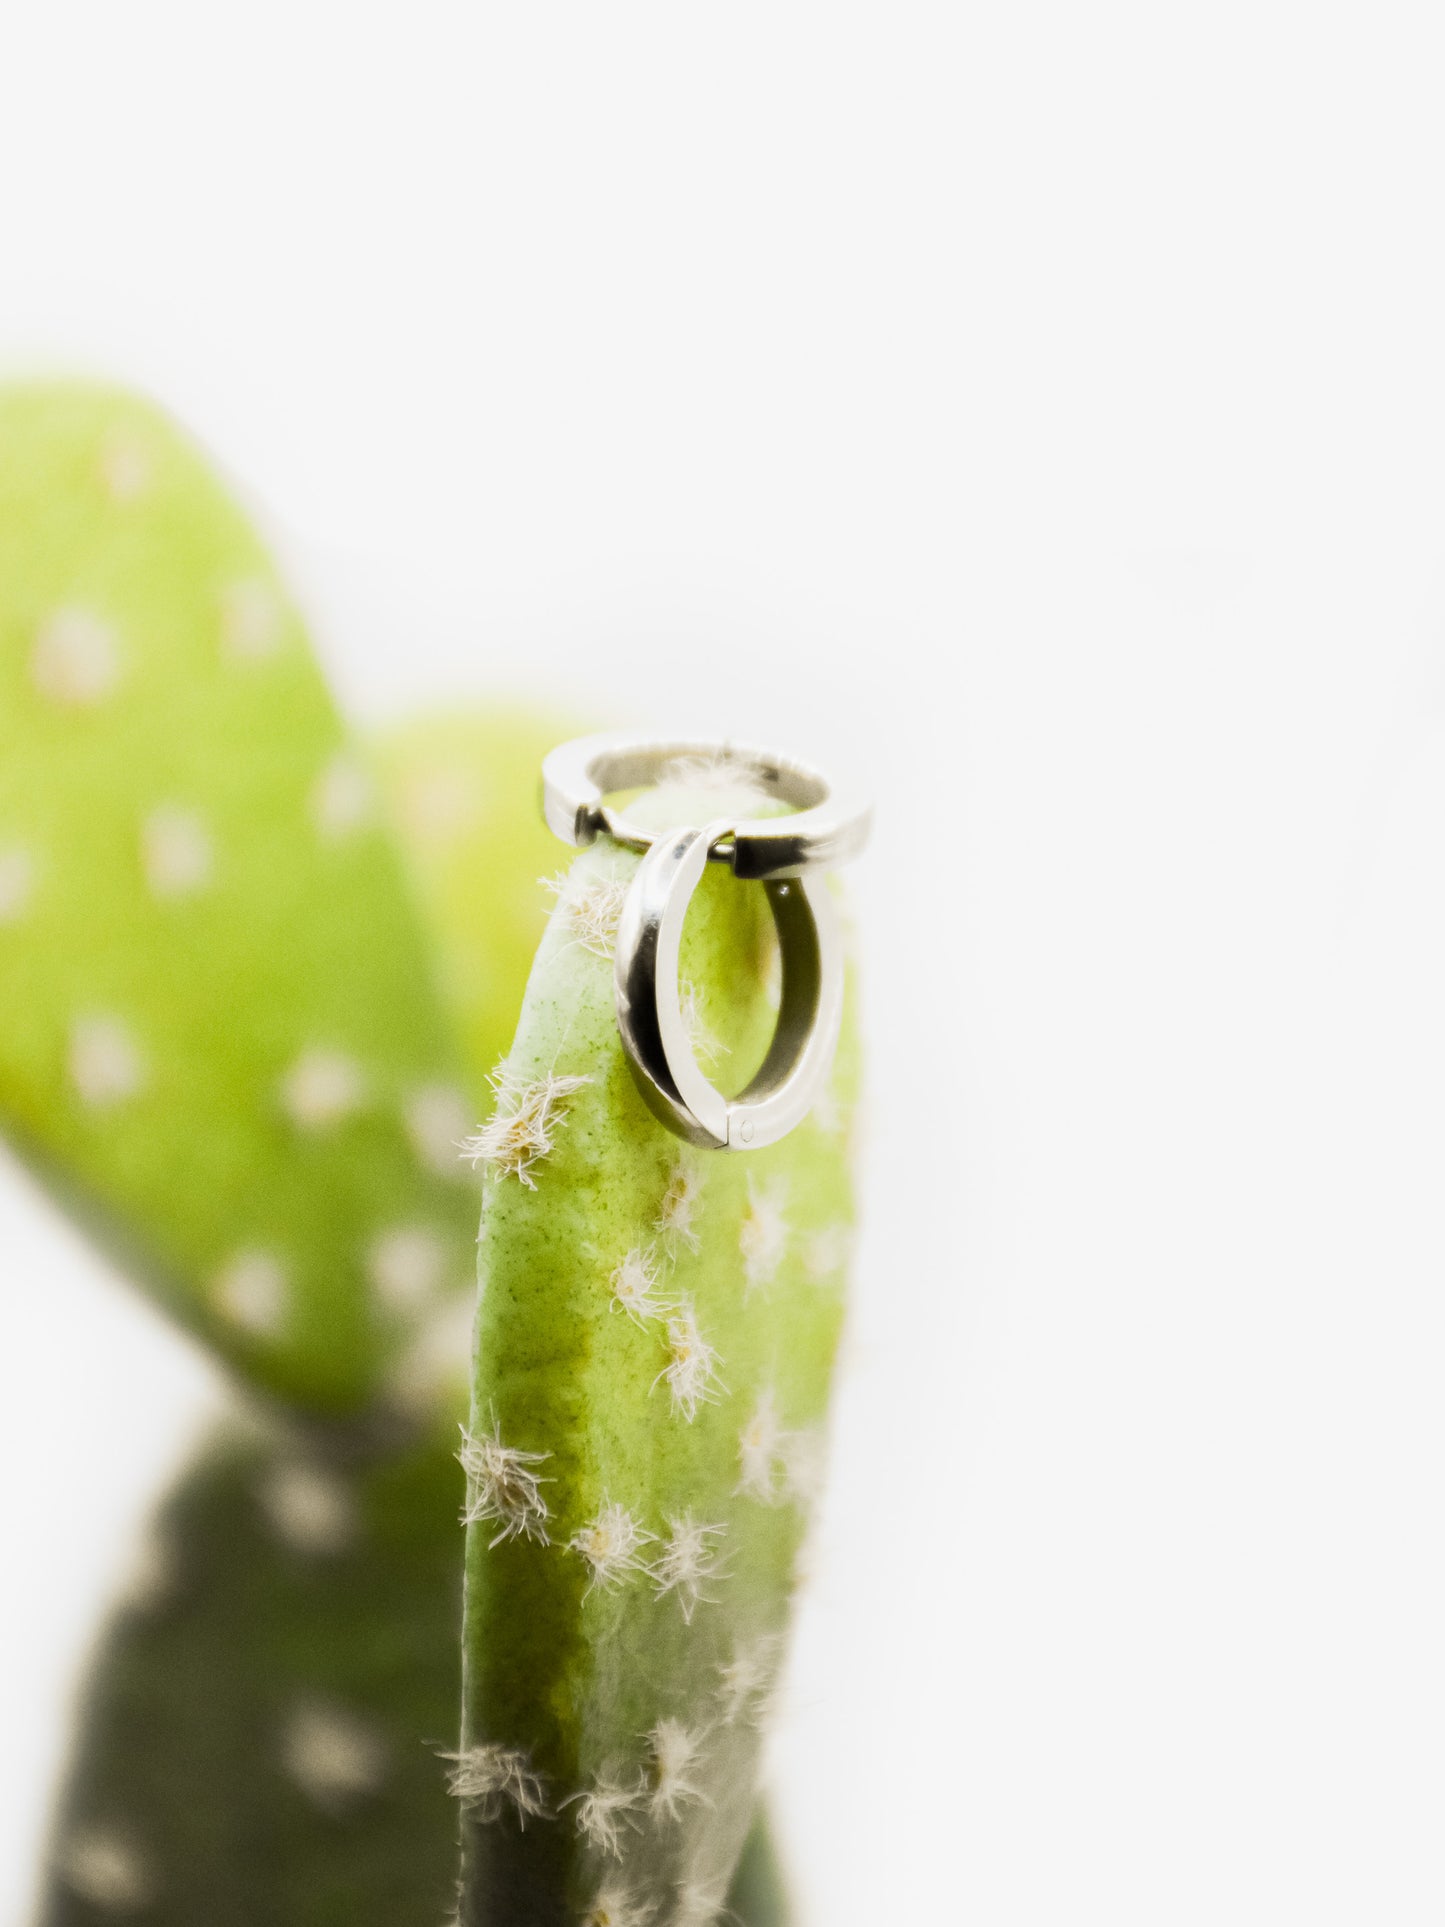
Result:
[{"x": 253, "y": 978}]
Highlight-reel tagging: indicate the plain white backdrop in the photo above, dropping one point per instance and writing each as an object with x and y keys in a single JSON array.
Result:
[{"x": 1041, "y": 408}]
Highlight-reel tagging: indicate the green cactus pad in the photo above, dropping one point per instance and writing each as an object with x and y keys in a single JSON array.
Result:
[
  {"x": 260, "y": 1733},
  {"x": 218, "y": 1033},
  {"x": 656, "y": 1335},
  {"x": 461, "y": 791}
]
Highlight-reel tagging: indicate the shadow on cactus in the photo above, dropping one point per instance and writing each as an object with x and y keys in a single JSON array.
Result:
[{"x": 256, "y": 977}]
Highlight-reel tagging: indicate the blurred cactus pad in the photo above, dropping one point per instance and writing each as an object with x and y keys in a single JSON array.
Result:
[{"x": 256, "y": 976}]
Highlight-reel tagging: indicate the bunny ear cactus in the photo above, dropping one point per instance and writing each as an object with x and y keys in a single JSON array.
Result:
[
  {"x": 219, "y": 1037},
  {"x": 655, "y": 1341}
]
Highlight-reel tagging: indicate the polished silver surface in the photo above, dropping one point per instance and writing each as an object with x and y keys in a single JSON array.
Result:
[
  {"x": 829, "y": 825},
  {"x": 649, "y": 1012}
]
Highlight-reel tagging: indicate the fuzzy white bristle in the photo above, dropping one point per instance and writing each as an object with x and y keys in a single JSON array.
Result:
[
  {"x": 674, "y": 1750},
  {"x": 523, "y": 1127},
  {"x": 611, "y": 1544},
  {"x": 691, "y": 1370},
  {"x": 592, "y": 910},
  {"x": 764, "y": 1235},
  {"x": 759, "y": 1450},
  {"x": 679, "y": 1207},
  {"x": 746, "y": 1680},
  {"x": 686, "y": 1562},
  {"x": 491, "y": 1777},
  {"x": 602, "y": 1812},
  {"x": 502, "y": 1488},
  {"x": 634, "y": 1286}
]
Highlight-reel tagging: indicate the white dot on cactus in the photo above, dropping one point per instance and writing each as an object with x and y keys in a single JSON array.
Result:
[
  {"x": 104, "y": 1865},
  {"x": 251, "y": 1291},
  {"x": 150, "y": 1578},
  {"x": 322, "y": 1088},
  {"x": 406, "y": 1264},
  {"x": 826, "y": 1252},
  {"x": 314, "y": 1511},
  {"x": 175, "y": 852},
  {"x": 76, "y": 661},
  {"x": 438, "y": 805},
  {"x": 126, "y": 469},
  {"x": 760, "y": 1446},
  {"x": 343, "y": 800},
  {"x": 436, "y": 1364},
  {"x": 437, "y": 1120},
  {"x": 17, "y": 883},
  {"x": 764, "y": 1235},
  {"x": 106, "y": 1066},
  {"x": 336, "y": 1758},
  {"x": 253, "y": 620}
]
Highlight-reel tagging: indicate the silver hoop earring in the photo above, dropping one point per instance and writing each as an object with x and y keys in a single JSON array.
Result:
[{"x": 787, "y": 854}]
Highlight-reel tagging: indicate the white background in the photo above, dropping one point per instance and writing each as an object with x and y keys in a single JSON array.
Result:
[{"x": 1042, "y": 407}]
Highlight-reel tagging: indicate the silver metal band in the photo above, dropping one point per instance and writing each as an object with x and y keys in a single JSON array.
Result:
[
  {"x": 785, "y": 854},
  {"x": 649, "y": 1012},
  {"x": 828, "y": 826}
]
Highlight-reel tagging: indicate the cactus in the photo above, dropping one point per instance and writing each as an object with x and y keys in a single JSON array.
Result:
[
  {"x": 245, "y": 1022},
  {"x": 221, "y": 1042},
  {"x": 655, "y": 1340}
]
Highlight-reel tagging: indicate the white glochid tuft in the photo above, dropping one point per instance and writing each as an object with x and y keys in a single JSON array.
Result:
[
  {"x": 593, "y": 911},
  {"x": 674, "y": 1750},
  {"x": 760, "y": 1445},
  {"x": 524, "y": 1124},
  {"x": 611, "y": 1544},
  {"x": 764, "y": 1235},
  {"x": 602, "y": 1812},
  {"x": 686, "y": 1562},
  {"x": 634, "y": 1286},
  {"x": 502, "y": 1488},
  {"x": 491, "y": 1777},
  {"x": 691, "y": 1370},
  {"x": 679, "y": 1207}
]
